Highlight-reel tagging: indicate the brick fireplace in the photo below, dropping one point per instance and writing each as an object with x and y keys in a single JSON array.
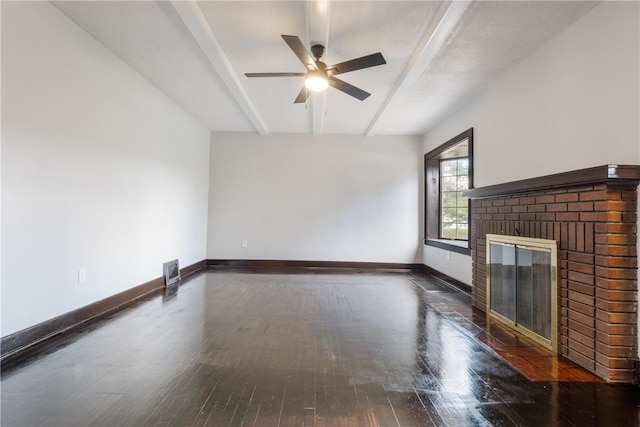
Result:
[{"x": 592, "y": 215}]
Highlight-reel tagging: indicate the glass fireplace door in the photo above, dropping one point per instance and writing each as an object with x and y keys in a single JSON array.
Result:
[{"x": 522, "y": 285}]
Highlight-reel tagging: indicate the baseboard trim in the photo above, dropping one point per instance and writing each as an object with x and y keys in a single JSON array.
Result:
[
  {"x": 193, "y": 268},
  {"x": 12, "y": 345},
  {"x": 450, "y": 280},
  {"x": 263, "y": 265}
]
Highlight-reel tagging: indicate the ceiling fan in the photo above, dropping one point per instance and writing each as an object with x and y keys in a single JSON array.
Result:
[{"x": 319, "y": 76}]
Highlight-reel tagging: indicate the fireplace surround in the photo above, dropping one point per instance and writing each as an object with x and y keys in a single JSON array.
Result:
[{"x": 592, "y": 215}]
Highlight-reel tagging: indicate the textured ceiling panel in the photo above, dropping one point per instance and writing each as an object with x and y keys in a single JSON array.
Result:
[
  {"x": 361, "y": 28},
  {"x": 490, "y": 38},
  {"x": 151, "y": 38},
  {"x": 249, "y": 33}
]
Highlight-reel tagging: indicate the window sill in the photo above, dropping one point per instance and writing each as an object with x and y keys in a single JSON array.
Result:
[{"x": 458, "y": 246}]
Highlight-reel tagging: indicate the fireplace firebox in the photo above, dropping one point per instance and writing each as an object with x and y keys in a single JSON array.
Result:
[{"x": 522, "y": 285}]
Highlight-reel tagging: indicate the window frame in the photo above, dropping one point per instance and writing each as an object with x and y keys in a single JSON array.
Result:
[{"x": 432, "y": 208}]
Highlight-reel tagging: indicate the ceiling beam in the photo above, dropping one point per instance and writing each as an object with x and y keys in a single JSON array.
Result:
[
  {"x": 197, "y": 24},
  {"x": 441, "y": 26},
  {"x": 318, "y": 12}
]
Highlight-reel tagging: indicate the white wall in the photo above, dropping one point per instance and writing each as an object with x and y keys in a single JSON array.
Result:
[
  {"x": 572, "y": 104},
  {"x": 99, "y": 171},
  {"x": 329, "y": 198}
]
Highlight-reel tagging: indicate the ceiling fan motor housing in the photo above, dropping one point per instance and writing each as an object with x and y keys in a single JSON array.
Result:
[{"x": 317, "y": 50}]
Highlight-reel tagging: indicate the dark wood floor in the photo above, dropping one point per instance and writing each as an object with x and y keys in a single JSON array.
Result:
[{"x": 237, "y": 348}]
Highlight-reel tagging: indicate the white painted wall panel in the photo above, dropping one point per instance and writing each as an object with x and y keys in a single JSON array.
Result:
[
  {"x": 99, "y": 171},
  {"x": 300, "y": 197}
]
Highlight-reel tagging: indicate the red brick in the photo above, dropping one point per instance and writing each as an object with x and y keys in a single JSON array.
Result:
[
  {"x": 588, "y": 310},
  {"x": 580, "y": 206},
  {"x": 589, "y": 237},
  {"x": 582, "y": 288},
  {"x": 615, "y": 363},
  {"x": 616, "y": 239},
  {"x": 615, "y": 328},
  {"x": 585, "y": 330},
  {"x": 586, "y": 350},
  {"x": 615, "y": 375},
  {"x": 616, "y": 250},
  {"x": 614, "y": 216},
  {"x": 629, "y": 319},
  {"x": 616, "y": 340},
  {"x": 582, "y": 339},
  {"x": 527, "y": 200},
  {"x": 601, "y": 206},
  {"x": 617, "y": 306},
  {"x": 581, "y": 298},
  {"x": 545, "y": 217},
  {"x": 616, "y": 284},
  {"x": 545, "y": 199},
  {"x": 582, "y": 318},
  {"x": 599, "y": 216},
  {"x": 568, "y": 216},
  {"x": 630, "y": 196},
  {"x": 581, "y": 257},
  {"x": 594, "y": 195},
  {"x": 536, "y": 208},
  {"x": 582, "y": 360},
  {"x": 588, "y": 279},
  {"x": 614, "y": 194},
  {"x": 618, "y": 228},
  {"x": 615, "y": 351},
  {"x": 617, "y": 273},
  {"x": 621, "y": 206},
  {"x": 557, "y": 207},
  {"x": 567, "y": 197},
  {"x": 629, "y": 296}
]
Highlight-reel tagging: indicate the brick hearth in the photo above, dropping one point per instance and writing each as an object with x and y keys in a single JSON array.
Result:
[{"x": 595, "y": 227}]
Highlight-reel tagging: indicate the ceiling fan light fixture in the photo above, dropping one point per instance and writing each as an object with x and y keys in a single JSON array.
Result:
[{"x": 316, "y": 81}]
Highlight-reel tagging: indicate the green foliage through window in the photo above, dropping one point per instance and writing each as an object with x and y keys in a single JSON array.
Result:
[{"x": 454, "y": 206}]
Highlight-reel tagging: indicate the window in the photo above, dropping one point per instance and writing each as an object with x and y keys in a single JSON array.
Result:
[
  {"x": 454, "y": 209},
  {"x": 448, "y": 174}
]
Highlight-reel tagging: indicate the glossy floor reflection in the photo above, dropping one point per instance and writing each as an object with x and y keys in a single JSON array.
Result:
[{"x": 237, "y": 348}]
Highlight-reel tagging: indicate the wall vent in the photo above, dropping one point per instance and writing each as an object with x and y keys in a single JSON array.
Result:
[{"x": 171, "y": 271}]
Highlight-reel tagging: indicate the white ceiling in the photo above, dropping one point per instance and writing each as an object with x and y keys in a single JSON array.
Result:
[{"x": 439, "y": 55}]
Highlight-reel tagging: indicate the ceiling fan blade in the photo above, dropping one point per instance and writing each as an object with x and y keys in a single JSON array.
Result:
[
  {"x": 273, "y": 74},
  {"x": 302, "y": 96},
  {"x": 348, "y": 88},
  {"x": 357, "y": 64},
  {"x": 301, "y": 52}
]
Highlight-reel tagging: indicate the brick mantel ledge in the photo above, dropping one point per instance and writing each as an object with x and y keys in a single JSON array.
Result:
[{"x": 596, "y": 175}]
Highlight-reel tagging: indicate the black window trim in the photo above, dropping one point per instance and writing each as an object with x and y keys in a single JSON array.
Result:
[{"x": 430, "y": 159}]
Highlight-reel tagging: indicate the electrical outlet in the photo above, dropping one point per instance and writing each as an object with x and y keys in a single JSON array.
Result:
[
  {"x": 245, "y": 243},
  {"x": 82, "y": 275},
  {"x": 448, "y": 255}
]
